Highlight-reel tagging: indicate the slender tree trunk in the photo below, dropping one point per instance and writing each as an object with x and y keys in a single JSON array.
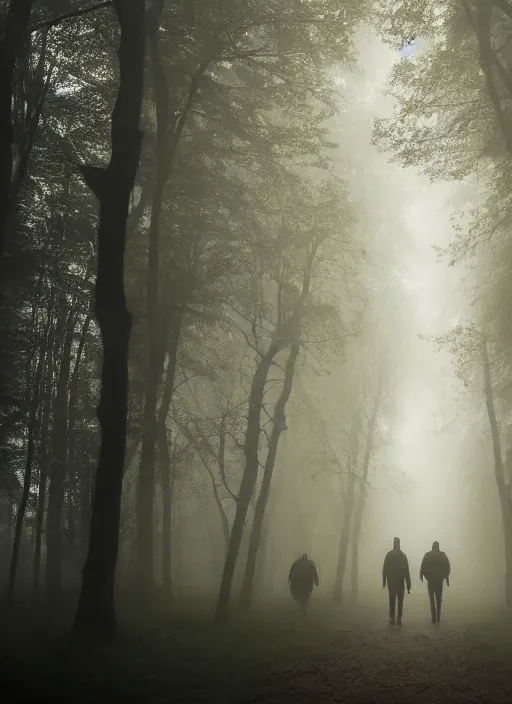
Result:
[
  {"x": 506, "y": 508},
  {"x": 211, "y": 540},
  {"x": 216, "y": 496},
  {"x": 72, "y": 548},
  {"x": 167, "y": 475},
  {"x": 27, "y": 477},
  {"x": 344, "y": 539},
  {"x": 130, "y": 453},
  {"x": 249, "y": 478},
  {"x": 79, "y": 487},
  {"x": 490, "y": 64},
  {"x": 15, "y": 34},
  {"x": 222, "y": 514},
  {"x": 356, "y": 534},
  {"x": 166, "y": 147},
  {"x": 43, "y": 468},
  {"x": 73, "y": 391},
  {"x": 261, "y": 504},
  {"x": 177, "y": 538},
  {"x": 56, "y": 491},
  {"x": 85, "y": 509},
  {"x": 167, "y": 482},
  {"x": 40, "y": 85},
  {"x": 252, "y": 438},
  {"x": 146, "y": 483},
  {"x": 41, "y": 500},
  {"x": 361, "y": 498},
  {"x": 96, "y": 609},
  {"x": 260, "y": 574},
  {"x": 27, "y": 480}
]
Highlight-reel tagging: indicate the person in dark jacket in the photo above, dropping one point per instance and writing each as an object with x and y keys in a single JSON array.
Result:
[
  {"x": 435, "y": 567},
  {"x": 395, "y": 573},
  {"x": 303, "y": 576}
]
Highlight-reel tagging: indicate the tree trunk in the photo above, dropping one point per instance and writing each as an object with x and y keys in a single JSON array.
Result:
[
  {"x": 27, "y": 477},
  {"x": 261, "y": 573},
  {"x": 15, "y": 33},
  {"x": 259, "y": 512},
  {"x": 177, "y": 537},
  {"x": 489, "y": 61},
  {"x": 361, "y": 499},
  {"x": 146, "y": 483},
  {"x": 356, "y": 534},
  {"x": 56, "y": 491},
  {"x": 344, "y": 539},
  {"x": 506, "y": 508},
  {"x": 249, "y": 478},
  {"x": 252, "y": 435},
  {"x": 73, "y": 391},
  {"x": 167, "y": 476},
  {"x": 32, "y": 431},
  {"x": 96, "y": 609},
  {"x": 79, "y": 487},
  {"x": 35, "y": 99},
  {"x": 43, "y": 468},
  {"x": 85, "y": 509},
  {"x": 167, "y": 482},
  {"x": 216, "y": 496},
  {"x": 41, "y": 500}
]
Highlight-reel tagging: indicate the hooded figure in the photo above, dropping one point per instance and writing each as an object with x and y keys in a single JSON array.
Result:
[
  {"x": 395, "y": 573},
  {"x": 435, "y": 567},
  {"x": 303, "y": 575}
]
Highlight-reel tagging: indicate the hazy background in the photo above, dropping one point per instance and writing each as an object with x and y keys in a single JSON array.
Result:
[{"x": 427, "y": 484}]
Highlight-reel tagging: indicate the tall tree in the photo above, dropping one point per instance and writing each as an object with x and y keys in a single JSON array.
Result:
[
  {"x": 470, "y": 348},
  {"x": 15, "y": 32},
  {"x": 113, "y": 186},
  {"x": 466, "y": 56}
]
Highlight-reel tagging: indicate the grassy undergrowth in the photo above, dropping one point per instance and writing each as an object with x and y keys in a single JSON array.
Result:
[{"x": 162, "y": 656}]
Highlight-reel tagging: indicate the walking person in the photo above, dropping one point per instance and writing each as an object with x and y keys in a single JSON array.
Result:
[
  {"x": 435, "y": 567},
  {"x": 395, "y": 573},
  {"x": 302, "y": 577}
]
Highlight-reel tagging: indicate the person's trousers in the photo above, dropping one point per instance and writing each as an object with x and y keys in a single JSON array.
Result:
[
  {"x": 394, "y": 596},
  {"x": 301, "y": 593},
  {"x": 435, "y": 594}
]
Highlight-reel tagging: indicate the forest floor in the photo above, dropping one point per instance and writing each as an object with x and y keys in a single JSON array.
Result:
[
  {"x": 461, "y": 660},
  {"x": 268, "y": 656}
]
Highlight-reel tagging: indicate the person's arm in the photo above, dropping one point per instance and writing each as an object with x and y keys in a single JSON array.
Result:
[
  {"x": 385, "y": 571},
  {"x": 315, "y": 576},
  {"x": 422, "y": 568},
  {"x": 407, "y": 575},
  {"x": 290, "y": 575},
  {"x": 447, "y": 570}
]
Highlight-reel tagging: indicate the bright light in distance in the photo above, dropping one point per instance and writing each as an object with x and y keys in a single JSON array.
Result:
[{"x": 409, "y": 284}]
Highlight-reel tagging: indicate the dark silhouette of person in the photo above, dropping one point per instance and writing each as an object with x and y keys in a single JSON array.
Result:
[
  {"x": 435, "y": 567},
  {"x": 303, "y": 576},
  {"x": 395, "y": 573}
]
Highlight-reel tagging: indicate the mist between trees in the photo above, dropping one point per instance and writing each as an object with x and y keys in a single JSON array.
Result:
[{"x": 208, "y": 343}]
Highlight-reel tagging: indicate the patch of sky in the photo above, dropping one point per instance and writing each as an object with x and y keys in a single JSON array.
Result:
[{"x": 409, "y": 47}]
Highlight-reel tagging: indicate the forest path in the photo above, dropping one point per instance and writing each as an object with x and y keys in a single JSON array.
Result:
[{"x": 416, "y": 663}]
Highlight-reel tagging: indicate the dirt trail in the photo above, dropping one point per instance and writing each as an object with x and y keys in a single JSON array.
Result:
[{"x": 417, "y": 663}]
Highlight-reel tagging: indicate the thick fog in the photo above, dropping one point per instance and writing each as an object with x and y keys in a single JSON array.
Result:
[
  {"x": 255, "y": 350},
  {"x": 289, "y": 308},
  {"x": 431, "y": 479}
]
